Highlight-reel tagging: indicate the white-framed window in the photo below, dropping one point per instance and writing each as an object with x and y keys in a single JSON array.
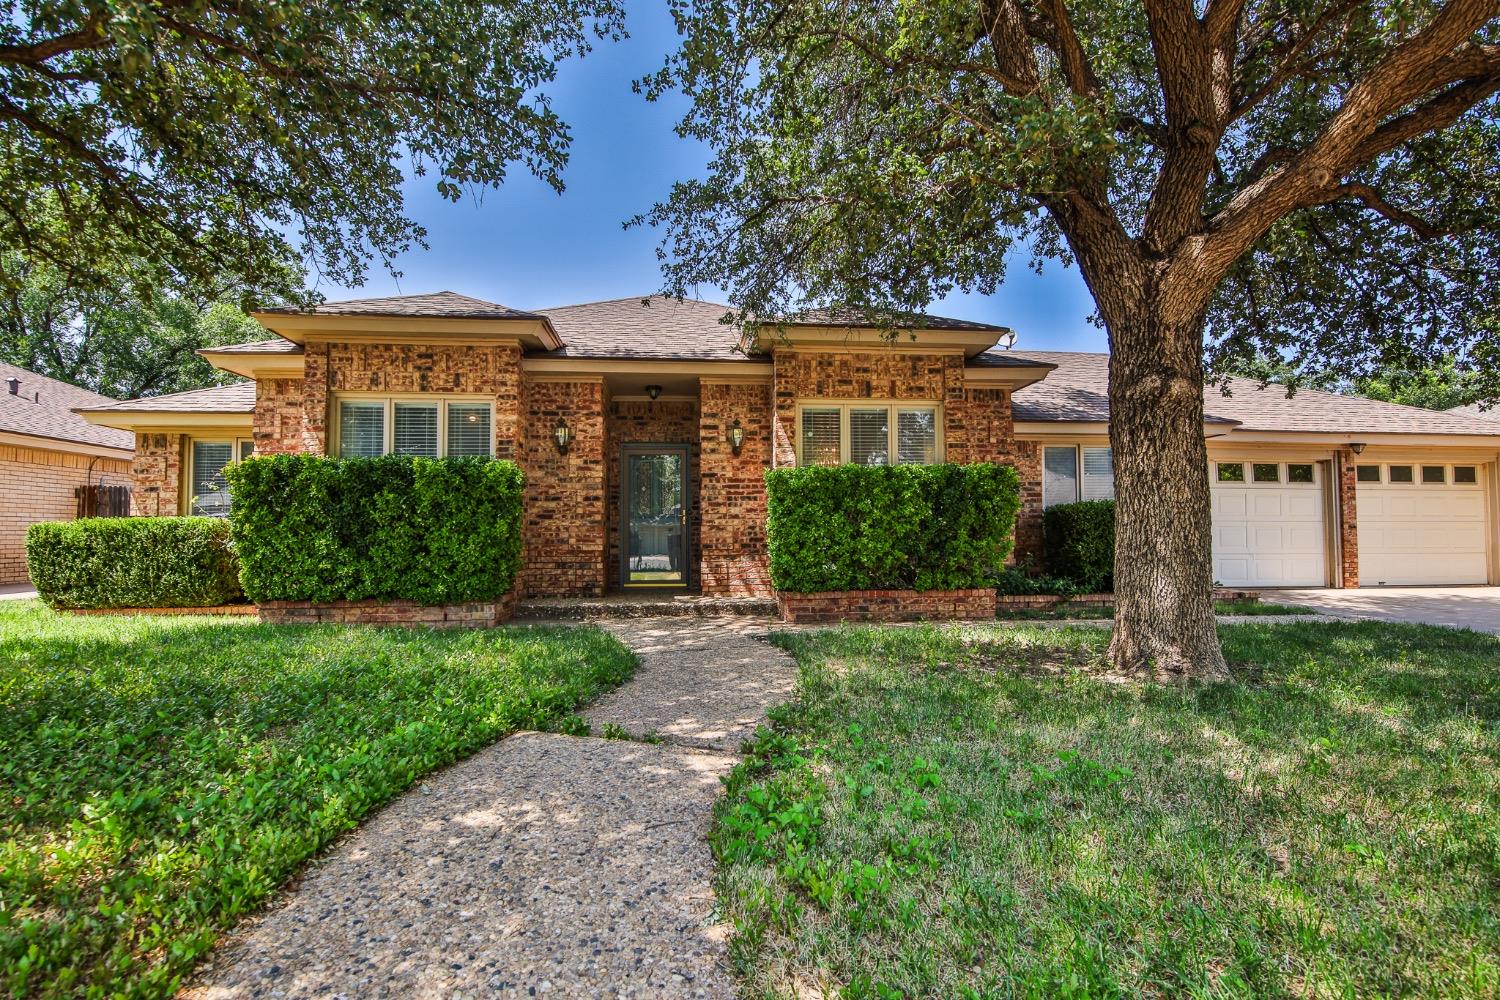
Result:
[
  {"x": 866, "y": 432},
  {"x": 207, "y": 489},
  {"x": 1077, "y": 472},
  {"x": 1418, "y": 476},
  {"x": 1265, "y": 475},
  {"x": 366, "y": 426}
]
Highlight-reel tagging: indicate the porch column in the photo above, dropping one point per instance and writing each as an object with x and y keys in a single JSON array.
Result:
[
  {"x": 732, "y": 488},
  {"x": 1347, "y": 514},
  {"x": 563, "y": 526}
]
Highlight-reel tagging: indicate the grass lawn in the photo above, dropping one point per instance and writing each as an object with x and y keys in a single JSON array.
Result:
[
  {"x": 932, "y": 818},
  {"x": 1066, "y": 612},
  {"x": 161, "y": 776}
]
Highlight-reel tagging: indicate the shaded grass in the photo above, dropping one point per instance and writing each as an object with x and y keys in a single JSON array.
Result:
[
  {"x": 159, "y": 777},
  {"x": 1066, "y": 612},
  {"x": 940, "y": 818}
]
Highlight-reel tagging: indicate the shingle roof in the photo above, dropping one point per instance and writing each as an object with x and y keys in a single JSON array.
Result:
[
  {"x": 237, "y": 397},
  {"x": 440, "y": 305},
  {"x": 922, "y": 321},
  {"x": 45, "y": 407},
  {"x": 646, "y": 327},
  {"x": 1078, "y": 391},
  {"x": 275, "y": 346},
  {"x": 1473, "y": 410}
]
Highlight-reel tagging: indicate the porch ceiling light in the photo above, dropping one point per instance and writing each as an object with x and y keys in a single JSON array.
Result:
[
  {"x": 736, "y": 437},
  {"x": 653, "y": 391},
  {"x": 563, "y": 435},
  {"x": 1358, "y": 447}
]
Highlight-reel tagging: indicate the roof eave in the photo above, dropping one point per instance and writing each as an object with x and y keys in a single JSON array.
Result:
[
  {"x": 298, "y": 327},
  {"x": 50, "y": 442},
  {"x": 168, "y": 420}
]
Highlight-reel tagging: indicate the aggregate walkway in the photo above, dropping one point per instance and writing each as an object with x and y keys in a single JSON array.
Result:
[{"x": 545, "y": 865}]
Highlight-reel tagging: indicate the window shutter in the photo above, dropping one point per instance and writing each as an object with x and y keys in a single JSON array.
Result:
[
  {"x": 361, "y": 429},
  {"x": 468, "y": 429},
  {"x": 1098, "y": 474},
  {"x": 820, "y": 437},
  {"x": 416, "y": 429}
]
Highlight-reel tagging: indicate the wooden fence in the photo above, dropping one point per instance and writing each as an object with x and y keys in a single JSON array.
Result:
[{"x": 103, "y": 501}]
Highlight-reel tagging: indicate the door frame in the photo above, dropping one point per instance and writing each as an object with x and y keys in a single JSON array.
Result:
[{"x": 685, "y": 451}]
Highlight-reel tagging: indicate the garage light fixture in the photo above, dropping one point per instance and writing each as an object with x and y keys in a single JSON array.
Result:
[
  {"x": 1358, "y": 447},
  {"x": 563, "y": 435},
  {"x": 653, "y": 391},
  {"x": 736, "y": 437}
]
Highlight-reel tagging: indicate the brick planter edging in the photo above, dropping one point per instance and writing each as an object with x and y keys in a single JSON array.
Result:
[
  {"x": 1047, "y": 602},
  {"x": 476, "y": 614},
  {"x": 831, "y": 607},
  {"x": 218, "y": 609}
]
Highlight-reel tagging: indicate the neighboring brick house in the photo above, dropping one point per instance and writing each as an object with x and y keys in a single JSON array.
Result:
[
  {"x": 46, "y": 452},
  {"x": 645, "y": 425}
]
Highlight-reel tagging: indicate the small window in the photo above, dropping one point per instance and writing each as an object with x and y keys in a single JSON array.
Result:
[
  {"x": 1059, "y": 476},
  {"x": 1231, "y": 472},
  {"x": 1303, "y": 473},
  {"x": 1434, "y": 473},
  {"x": 361, "y": 429},
  {"x": 247, "y": 448},
  {"x": 1400, "y": 473},
  {"x": 1465, "y": 474},
  {"x": 469, "y": 430},
  {"x": 210, "y": 495},
  {"x": 1367, "y": 474},
  {"x": 1266, "y": 472},
  {"x": 870, "y": 436},
  {"x": 820, "y": 437},
  {"x": 416, "y": 429},
  {"x": 916, "y": 437},
  {"x": 1098, "y": 474}
]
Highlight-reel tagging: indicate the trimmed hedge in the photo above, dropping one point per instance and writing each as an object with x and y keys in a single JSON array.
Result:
[
  {"x": 133, "y": 562},
  {"x": 1078, "y": 544},
  {"x": 435, "y": 531},
  {"x": 894, "y": 527}
]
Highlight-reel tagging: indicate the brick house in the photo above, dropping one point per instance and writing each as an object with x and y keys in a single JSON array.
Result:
[
  {"x": 645, "y": 425},
  {"x": 46, "y": 452}
]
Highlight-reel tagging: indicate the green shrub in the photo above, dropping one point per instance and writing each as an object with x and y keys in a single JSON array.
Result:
[
  {"x": 1018, "y": 581},
  {"x": 1078, "y": 543},
  {"x": 133, "y": 562},
  {"x": 922, "y": 527},
  {"x": 435, "y": 531}
]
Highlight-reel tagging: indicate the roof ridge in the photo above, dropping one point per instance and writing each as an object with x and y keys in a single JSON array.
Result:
[
  {"x": 632, "y": 298},
  {"x": 174, "y": 395}
]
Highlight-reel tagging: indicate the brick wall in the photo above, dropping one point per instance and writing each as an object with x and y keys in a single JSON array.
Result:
[
  {"x": 279, "y": 417},
  {"x": 156, "y": 475},
  {"x": 660, "y": 422},
  {"x": 1348, "y": 518},
  {"x": 887, "y": 606},
  {"x": 1028, "y": 462},
  {"x": 38, "y": 484},
  {"x": 732, "y": 488},
  {"x": 564, "y": 524}
]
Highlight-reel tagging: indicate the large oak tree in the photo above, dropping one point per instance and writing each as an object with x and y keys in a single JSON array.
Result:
[
  {"x": 215, "y": 140},
  {"x": 1309, "y": 179}
]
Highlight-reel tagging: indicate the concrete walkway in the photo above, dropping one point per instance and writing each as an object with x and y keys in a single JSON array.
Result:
[
  {"x": 1477, "y": 608},
  {"x": 17, "y": 592},
  {"x": 544, "y": 865}
]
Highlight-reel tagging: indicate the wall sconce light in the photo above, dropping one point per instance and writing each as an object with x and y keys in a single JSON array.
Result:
[
  {"x": 736, "y": 437},
  {"x": 1006, "y": 340},
  {"x": 563, "y": 435},
  {"x": 1358, "y": 447},
  {"x": 653, "y": 391}
]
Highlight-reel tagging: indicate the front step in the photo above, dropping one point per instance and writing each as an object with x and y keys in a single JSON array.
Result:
[{"x": 631, "y": 606}]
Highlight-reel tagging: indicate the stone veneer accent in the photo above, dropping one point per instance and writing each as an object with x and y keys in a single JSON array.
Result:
[
  {"x": 479, "y": 614},
  {"x": 648, "y": 422},
  {"x": 732, "y": 488},
  {"x": 1027, "y": 459},
  {"x": 887, "y": 606},
  {"x": 156, "y": 475},
  {"x": 279, "y": 417},
  {"x": 1344, "y": 461},
  {"x": 563, "y": 528},
  {"x": 38, "y": 485}
]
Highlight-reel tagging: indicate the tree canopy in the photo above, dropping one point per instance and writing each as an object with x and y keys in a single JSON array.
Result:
[
  {"x": 1310, "y": 179},
  {"x": 222, "y": 139}
]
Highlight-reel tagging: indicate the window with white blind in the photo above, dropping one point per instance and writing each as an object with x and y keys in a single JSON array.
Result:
[
  {"x": 865, "y": 433},
  {"x": 208, "y": 490},
  {"x": 1071, "y": 473},
  {"x": 425, "y": 427}
]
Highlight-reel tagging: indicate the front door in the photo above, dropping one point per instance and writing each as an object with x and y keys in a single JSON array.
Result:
[{"x": 654, "y": 516}]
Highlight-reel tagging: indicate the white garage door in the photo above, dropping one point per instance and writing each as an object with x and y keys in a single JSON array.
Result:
[
  {"x": 1421, "y": 524},
  {"x": 1268, "y": 523}
]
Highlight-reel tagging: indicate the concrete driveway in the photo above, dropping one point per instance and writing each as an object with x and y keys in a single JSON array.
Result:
[{"x": 1477, "y": 608}]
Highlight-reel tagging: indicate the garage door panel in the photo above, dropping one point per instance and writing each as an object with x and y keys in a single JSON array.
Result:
[
  {"x": 1268, "y": 535},
  {"x": 1421, "y": 534}
]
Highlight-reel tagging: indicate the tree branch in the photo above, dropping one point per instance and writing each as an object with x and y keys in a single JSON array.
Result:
[
  {"x": 90, "y": 35},
  {"x": 1374, "y": 201}
]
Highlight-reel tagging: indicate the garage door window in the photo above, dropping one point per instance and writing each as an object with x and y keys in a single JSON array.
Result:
[
  {"x": 1299, "y": 473},
  {"x": 1399, "y": 473},
  {"x": 1368, "y": 474},
  {"x": 1434, "y": 474},
  {"x": 1465, "y": 475},
  {"x": 1231, "y": 472},
  {"x": 1266, "y": 472}
]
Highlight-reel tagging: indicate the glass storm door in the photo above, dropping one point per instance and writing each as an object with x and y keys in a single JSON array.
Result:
[{"x": 653, "y": 551}]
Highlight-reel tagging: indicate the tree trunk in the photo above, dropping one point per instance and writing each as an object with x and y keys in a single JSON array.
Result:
[{"x": 1164, "y": 613}]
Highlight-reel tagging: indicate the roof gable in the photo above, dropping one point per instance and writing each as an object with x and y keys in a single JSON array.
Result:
[{"x": 44, "y": 408}]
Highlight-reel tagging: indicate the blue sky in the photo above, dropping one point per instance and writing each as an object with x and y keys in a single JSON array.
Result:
[{"x": 528, "y": 247}]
